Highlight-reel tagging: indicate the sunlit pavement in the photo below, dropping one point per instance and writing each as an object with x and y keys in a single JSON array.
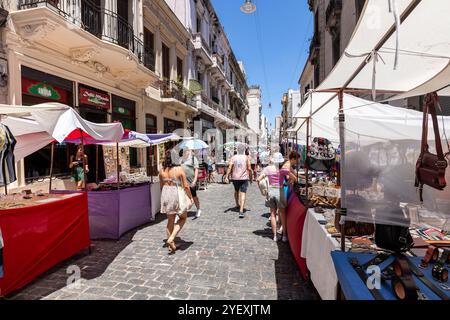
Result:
[{"x": 220, "y": 257}]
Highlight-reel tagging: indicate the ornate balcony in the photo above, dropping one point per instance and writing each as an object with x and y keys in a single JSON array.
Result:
[
  {"x": 202, "y": 49},
  {"x": 170, "y": 90},
  {"x": 89, "y": 34}
]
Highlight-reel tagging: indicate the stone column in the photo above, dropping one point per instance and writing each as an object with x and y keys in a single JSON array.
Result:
[
  {"x": 158, "y": 52},
  {"x": 173, "y": 61}
]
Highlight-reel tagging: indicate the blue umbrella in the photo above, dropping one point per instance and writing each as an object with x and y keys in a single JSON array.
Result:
[{"x": 193, "y": 144}]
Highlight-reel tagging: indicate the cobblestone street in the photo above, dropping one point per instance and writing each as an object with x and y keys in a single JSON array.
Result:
[{"x": 220, "y": 257}]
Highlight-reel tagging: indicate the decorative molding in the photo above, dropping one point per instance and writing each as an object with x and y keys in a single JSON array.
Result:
[
  {"x": 84, "y": 54},
  {"x": 36, "y": 31},
  {"x": 99, "y": 68}
]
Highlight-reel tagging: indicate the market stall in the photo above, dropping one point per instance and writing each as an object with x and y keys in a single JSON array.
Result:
[
  {"x": 39, "y": 233},
  {"x": 380, "y": 144},
  {"x": 119, "y": 205},
  {"x": 40, "y": 230}
]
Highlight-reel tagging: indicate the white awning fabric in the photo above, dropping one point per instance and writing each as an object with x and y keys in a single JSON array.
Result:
[
  {"x": 372, "y": 122},
  {"x": 424, "y": 50},
  {"x": 36, "y": 126}
]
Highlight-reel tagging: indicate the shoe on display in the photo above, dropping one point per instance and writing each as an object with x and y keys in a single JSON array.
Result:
[
  {"x": 199, "y": 212},
  {"x": 285, "y": 239}
]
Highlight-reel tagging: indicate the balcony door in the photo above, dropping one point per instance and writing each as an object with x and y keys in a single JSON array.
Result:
[
  {"x": 91, "y": 17},
  {"x": 125, "y": 31}
]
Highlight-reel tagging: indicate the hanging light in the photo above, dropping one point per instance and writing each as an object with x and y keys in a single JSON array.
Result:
[{"x": 248, "y": 7}]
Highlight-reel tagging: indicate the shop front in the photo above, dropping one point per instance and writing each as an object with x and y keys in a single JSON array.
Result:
[
  {"x": 40, "y": 87},
  {"x": 124, "y": 111},
  {"x": 94, "y": 105}
]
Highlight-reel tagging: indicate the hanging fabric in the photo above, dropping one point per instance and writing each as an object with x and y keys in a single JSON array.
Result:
[
  {"x": 7, "y": 160},
  {"x": 1, "y": 254}
]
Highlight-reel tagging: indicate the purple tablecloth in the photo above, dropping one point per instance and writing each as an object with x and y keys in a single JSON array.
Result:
[{"x": 113, "y": 213}]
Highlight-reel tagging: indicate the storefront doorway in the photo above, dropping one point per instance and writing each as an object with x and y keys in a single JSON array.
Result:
[
  {"x": 40, "y": 87},
  {"x": 94, "y": 105}
]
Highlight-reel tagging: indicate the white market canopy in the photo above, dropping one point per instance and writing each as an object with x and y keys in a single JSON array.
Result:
[
  {"x": 36, "y": 126},
  {"x": 423, "y": 50},
  {"x": 372, "y": 122}
]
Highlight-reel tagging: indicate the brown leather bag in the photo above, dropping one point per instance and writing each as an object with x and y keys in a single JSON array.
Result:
[{"x": 430, "y": 168}]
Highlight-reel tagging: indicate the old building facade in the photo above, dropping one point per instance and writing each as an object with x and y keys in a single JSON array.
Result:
[{"x": 134, "y": 61}]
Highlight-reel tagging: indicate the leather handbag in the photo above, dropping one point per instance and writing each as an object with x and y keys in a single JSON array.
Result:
[
  {"x": 393, "y": 238},
  {"x": 430, "y": 168}
]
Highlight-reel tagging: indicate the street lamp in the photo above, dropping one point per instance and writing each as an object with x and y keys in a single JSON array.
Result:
[{"x": 248, "y": 7}]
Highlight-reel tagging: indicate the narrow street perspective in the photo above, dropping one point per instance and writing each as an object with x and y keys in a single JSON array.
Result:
[
  {"x": 225, "y": 150},
  {"x": 220, "y": 257}
]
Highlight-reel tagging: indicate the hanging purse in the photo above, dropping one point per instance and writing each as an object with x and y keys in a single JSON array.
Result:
[{"x": 430, "y": 168}]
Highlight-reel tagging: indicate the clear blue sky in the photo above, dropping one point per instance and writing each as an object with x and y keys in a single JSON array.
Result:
[{"x": 285, "y": 27}]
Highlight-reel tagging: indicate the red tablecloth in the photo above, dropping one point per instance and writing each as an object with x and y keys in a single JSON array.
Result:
[
  {"x": 39, "y": 237},
  {"x": 296, "y": 214}
]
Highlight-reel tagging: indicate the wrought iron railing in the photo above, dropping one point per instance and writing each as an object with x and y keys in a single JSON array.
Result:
[
  {"x": 173, "y": 90},
  {"x": 100, "y": 22}
]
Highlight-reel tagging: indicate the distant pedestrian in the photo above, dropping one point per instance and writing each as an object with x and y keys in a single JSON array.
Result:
[
  {"x": 211, "y": 167},
  {"x": 276, "y": 197},
  {"x": 171, "y": 177},
  {"x": 241, "y": 172},
  {"x": 76, "y": 165},
  {"x": 191, "y": 167}
]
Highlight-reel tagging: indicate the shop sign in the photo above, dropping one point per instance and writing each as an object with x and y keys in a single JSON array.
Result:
[
  {"x": 94, "y": 98},
  {"x": 122, "y": 110},
  {"x": 43, "y": 90}
]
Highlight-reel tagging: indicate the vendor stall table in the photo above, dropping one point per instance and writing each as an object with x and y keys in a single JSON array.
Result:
[
  {"x": 38, "y": 237},
  {"x": 317, "y": 244},
  {"x": 355, "y": 289},
  {"x": 295, "y": 216},
  {"x": 114, "y": 212}
]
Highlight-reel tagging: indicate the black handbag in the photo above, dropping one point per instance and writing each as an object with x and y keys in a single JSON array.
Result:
[{"x": 393, "y": 238}]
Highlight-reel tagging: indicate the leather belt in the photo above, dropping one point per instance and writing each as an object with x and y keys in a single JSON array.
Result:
[
  {"x": 419, "y": 274},
  {"x": 432, "y": 255},
  {"x": 439, "y": 271},
  {"x": 403, "y": 283},
  {"x": 363, "y": 275},
  {"x": 379, "y": 259}
]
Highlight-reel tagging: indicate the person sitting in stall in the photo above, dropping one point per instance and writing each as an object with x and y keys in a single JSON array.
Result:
[{"x": 76, "y": 165}]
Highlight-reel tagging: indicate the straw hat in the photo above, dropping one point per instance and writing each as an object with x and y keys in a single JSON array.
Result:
[{"x": 277, "y": 157}]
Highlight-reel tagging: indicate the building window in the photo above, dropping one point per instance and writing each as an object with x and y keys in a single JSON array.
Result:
[
  {"x": 317, "y": 73},
  {"x": 150, "y": 124},
  {"x": 149, "y": 40},
  {"x": 165, "y": 62},
  {"x": 171, "y": 125},
  {"x": 179, "y": 69},
  {"x": 336, "y": 46},
  {"x": 199, "y": 24}
]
